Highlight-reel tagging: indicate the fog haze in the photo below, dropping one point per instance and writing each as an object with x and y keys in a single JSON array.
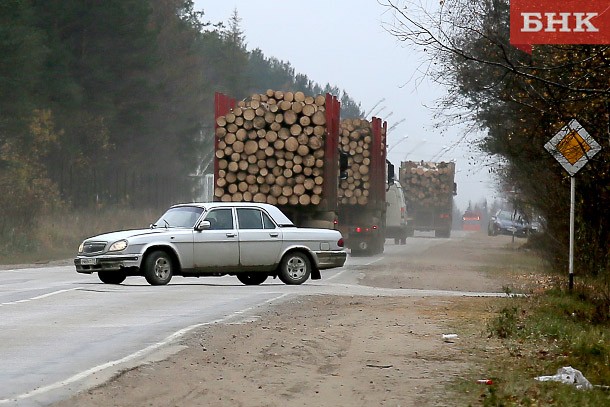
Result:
[{"x": 344, "y": 43}]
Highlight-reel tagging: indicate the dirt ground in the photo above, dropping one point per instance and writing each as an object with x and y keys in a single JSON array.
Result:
[{"x": 331, "y": 350}]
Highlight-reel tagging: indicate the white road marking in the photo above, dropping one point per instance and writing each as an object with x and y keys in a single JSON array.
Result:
[
  {"x": 133, "y": 356},
  {"x": 40, "y": 296},
  {"x": 374, "y": 261},
  {"x": 346, "y": 267}
]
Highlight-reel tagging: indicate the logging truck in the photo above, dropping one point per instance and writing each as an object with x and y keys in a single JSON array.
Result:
[
  {"x": 362, "y": 192},
  {"x": 429, "y": 188},
  {"x": 279, "y": 148}
]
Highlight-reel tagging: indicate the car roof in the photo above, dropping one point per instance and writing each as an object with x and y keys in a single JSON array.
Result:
[{"x": 277, "y": 215}]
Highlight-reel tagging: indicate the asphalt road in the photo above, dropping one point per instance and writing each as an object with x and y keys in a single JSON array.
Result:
[{"x": 62, "y": 332}]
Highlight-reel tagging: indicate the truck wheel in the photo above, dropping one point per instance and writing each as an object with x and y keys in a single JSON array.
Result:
[
  {"x": 396, "y": 240},
  {"x": 295, "y": 268},
  {"x": 252, "y": 278},
  {"x": 403, "y": 240},
  {"x": 158, "y": 268},
  {"x": 111, "y": 277}
]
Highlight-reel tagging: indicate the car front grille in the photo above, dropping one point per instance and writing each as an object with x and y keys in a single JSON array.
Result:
[{"x": 94, "y": 247}]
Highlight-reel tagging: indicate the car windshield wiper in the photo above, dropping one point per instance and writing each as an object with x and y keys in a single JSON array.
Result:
[{"x": 154, "y": 225}]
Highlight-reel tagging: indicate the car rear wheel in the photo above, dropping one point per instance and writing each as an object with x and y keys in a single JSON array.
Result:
[
  {"x": 295, "y": 268},
  {"x": 252, "y": 278},
  {"x": 158, "y": 268},
  {"x": 111, "y": 277}
]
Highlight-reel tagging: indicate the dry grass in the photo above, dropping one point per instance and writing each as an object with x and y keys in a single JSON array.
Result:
[
  {"x": 57, "y": 237},
  {"x": 513, "y": 340}
]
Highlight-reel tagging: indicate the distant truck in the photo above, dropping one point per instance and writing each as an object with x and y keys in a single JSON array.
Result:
[
  {"x": 471, "y": 221},
  {"x": 362, "y": 192},
  {"x": 429, "y": 189}
]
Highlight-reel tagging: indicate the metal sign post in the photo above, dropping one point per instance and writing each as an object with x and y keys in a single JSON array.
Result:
[
  {"x": 572, "y": 205},
  {"x": 572, "y": 147}
]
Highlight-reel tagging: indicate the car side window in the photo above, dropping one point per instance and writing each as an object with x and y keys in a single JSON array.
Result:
[
  {"x": 267, "y": 222},
  {"x": 220, "y": 219},
  {"x": 249, "y": 218}
]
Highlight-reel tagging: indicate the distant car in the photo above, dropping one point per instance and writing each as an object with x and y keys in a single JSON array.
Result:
[
  {"x": 396, "y": 214},
  {"x": 536, "y": 225},
  {"x": 248, "y": 240},
  {"x": 506, "y": 222}
]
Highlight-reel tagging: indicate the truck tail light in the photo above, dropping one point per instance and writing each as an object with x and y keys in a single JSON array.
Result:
[
  {"x": 444, "y": 216},
  {"x": 359, "y": 229},
  {"x": 340, "y": 243}
]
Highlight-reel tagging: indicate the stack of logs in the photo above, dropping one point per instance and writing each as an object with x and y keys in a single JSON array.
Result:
[
  {"x": 355, "y": 139},
  {"x": 271, "y": 149},
  {"x": 427, "y": 183}
]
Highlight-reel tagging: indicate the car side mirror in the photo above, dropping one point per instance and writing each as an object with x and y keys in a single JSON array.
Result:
[
  {"x": 391, "y": 175},
  {"x": 203, "y": 225}
]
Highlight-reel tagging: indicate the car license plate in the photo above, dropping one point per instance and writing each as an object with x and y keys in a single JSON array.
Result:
[{"x": 88, "y": 262}]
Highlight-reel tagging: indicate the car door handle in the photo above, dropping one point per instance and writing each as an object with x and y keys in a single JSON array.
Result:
[
  {"x": 274, "y": 234},
  {"x": 229, "y": 234}
]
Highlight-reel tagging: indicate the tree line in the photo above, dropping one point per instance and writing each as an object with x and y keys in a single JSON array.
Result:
[
  {"x": 111, "y": 103},
  {"x": 519, "y": 102}
]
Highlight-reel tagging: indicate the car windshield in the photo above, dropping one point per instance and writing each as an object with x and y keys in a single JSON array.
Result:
[
  {"x": 179, "y": 217},
  {"x": 510, "y": 216},
  {"x": 505, "y": 215}
]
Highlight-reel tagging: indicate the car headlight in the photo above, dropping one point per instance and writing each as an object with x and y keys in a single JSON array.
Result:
[
  {"x": 81, "y": 247},
  {"x": 118, "y": 246}
]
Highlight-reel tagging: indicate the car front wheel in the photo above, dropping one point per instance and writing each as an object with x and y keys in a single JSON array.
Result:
[
  {"x": 158, "y": 268},
  {"x": 295, "y": 268},
  {"x": 111, "y": 277},
  {"x": 252, "y": 278}
]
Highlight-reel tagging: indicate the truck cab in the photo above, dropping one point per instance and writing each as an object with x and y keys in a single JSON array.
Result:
[{"x": 396, "y": 214}]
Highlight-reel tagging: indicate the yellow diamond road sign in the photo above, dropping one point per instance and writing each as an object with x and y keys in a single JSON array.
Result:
[{"x": 572, "y": 147}]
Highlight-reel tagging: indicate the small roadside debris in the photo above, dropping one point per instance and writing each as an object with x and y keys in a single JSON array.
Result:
[{"x": 568, "y": 375}]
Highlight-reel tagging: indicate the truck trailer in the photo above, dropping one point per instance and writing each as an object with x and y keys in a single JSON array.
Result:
[
  {"x": 362, "y": 194},
  {"x": 279, "y": 148},
  {"x": 429, "y": 189}
]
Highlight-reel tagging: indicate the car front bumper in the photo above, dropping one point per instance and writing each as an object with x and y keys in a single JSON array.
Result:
[
  {"x": 331, "y": 259},
  {"x": 511, "y": 230},
  {"x": 88, "y": 265}
]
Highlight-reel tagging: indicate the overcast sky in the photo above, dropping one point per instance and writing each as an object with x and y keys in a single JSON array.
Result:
[{"x": 343, "y": 42}]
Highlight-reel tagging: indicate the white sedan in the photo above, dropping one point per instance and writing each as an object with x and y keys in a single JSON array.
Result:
[{"x": 249, "y": 240}]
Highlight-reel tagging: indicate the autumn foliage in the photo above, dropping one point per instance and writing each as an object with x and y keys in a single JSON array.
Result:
[{"x": 519, "y": 102}]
